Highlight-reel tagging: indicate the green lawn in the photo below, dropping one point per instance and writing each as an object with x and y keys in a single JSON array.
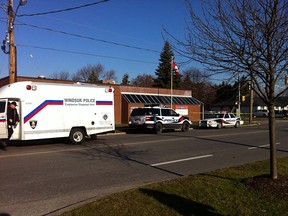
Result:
[{"x": 215, "y": 193}]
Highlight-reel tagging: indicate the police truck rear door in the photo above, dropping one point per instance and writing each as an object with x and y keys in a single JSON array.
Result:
[{"x": 3, "y": 116}]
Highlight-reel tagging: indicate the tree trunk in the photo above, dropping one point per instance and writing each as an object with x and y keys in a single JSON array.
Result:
[{"x": 273, "y": 157}]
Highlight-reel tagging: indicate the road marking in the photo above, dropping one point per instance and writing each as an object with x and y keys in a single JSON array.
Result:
[
  {"x": 261, "y": 146},
  {"x": 181, "y": 160},
  {"x": 129, "y": 143}
]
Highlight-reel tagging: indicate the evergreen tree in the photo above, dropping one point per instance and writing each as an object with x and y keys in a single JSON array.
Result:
[
  {"x": 93, "y": 78},
  {"x": 163, "y": 72},
  {"x": 125, "y": 79}
]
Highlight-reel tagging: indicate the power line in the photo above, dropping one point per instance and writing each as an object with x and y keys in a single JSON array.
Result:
[
  {"x": 90, "y": 38},
  {"x": 96, "y": 55},
  {"x": 83, "y": 53},
  {"x": 63, "y": 10},
  {"x": 99, "y": 29}
]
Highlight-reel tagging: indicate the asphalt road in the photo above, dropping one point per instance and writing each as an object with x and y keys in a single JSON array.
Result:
[{"x": 49, "y": 177}]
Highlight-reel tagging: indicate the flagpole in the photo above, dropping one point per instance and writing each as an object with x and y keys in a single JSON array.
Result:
[{"x": 171, "y": 63}]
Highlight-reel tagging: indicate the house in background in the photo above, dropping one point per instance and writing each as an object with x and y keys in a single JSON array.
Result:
[{"x": 258, "y": 104}]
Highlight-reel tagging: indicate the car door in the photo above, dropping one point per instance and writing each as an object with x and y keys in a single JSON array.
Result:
[
  {"x": 232, "y": 119},
  {"x": 227, "y": 120},
  {"x": 3, "y": 117},
  {"x": 170, "y": 118}
]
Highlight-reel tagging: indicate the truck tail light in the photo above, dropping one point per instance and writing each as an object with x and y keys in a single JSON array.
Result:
[{"x": 31, "y": 87}]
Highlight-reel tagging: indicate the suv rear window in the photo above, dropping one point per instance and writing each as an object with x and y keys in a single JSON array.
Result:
[{"x": 145, "y": 111}]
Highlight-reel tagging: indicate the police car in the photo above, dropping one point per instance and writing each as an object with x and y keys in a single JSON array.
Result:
[
  {"x": 158, "y": 119},
  {"x": 219, "y": 120}
]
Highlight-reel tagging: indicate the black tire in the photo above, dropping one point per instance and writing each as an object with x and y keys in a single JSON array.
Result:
[
  {"x": 76, "y": 136},
  {"x": 185, "y": 127},
  {"x": 93, "y": 136},
  {"x": 158, "y": 128},
  {"x": 237, "y": 125}
]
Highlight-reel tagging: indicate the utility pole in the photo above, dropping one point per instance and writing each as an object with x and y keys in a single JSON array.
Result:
[
  {"x": 251, "y": 73},
  {"x": 12, "y": 47},
  {"x": 251, "y": 101},
  {"x": 171, "y": 80},
  {"x": 239, "y": 97}
]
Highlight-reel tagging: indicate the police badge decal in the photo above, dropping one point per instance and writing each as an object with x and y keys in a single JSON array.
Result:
[
  {"x": 105, "y": 116},
  {"x": 33, "y": 124}
]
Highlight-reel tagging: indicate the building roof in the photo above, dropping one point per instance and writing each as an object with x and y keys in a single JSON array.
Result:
[{"x": 160, "y": 99}]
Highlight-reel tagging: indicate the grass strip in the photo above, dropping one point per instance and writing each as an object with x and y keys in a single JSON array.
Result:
[{"x": 221, "y": 192}]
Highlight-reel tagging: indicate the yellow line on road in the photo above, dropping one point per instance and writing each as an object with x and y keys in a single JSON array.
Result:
[
  {"x": 43, "y": 152},
  {"x": 232, "y": 134}
]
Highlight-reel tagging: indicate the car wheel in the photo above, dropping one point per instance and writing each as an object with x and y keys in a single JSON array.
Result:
[
  {"x": 237, "y": 124},
  {"x": 76, "y": 136},
  {"x": 158, "y": 128},
  {"x": 185, "y": 126},
  {"x": 219, "y": 126}
]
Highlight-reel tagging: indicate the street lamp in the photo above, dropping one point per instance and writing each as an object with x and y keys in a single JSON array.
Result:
[{"x": 22, "y": 2}]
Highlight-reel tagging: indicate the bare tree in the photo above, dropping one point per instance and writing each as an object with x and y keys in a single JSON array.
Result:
[
  {"x": 63, "y": 75},
  {"x": 196, "y": 75},
  {"x": 198, "y": 81},
  {"x": 144, "y": 80},
  {"x": 243, "y": 37},
  {"x": 89, "y": 73},
  {"x": 109, "y": 75}
]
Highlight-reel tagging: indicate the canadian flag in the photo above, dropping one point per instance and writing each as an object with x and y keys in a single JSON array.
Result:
[{"x": 175, "y": 68}]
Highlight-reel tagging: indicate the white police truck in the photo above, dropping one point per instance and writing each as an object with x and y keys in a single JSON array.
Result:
[{"x": 49, "y": 110}]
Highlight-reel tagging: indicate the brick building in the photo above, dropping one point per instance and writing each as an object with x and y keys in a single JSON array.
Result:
[{"x": 128, "y": 97}]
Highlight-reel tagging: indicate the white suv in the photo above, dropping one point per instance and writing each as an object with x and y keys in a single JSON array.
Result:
[{"x": 158, "y": 119}]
